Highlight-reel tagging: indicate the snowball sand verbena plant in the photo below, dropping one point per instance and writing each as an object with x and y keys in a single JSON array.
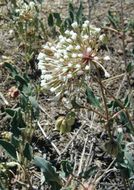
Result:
[{"x": 67, "y": 63}]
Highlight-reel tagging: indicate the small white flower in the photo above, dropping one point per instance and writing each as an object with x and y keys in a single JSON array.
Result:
[
  {"x": 62, "y": 40},
  {"x": 102, "y": 36},
  {"x": 67, "y": 32},
  {"x": 85, "y": 25},
  {"x": 11, "y": 32},
  {"x": 66, "y": 57},
  {"x": 31, "y": 4},
  {"x": 80, "y": 55},
  {"x": 52, "y": 89},
  {"x": 74, "y": 25},
  {"x": 86, "y": 22},
  {"x": 78, "y": 66},
  {"x": 70, "y": 64},
  {"x": 69, "y": 75},
  {"x": 60, "y": 37},
  {"x": 120, "y": 130},
  {"x": 74, "y": 55},
  {"x": 43, "y": 72},
  {"x": 72, "y": 32},
  {"x": 69, "y": 40},
  {"x": 77, "y": 47},
  {"x": 41, "y": 56},
  {"x": 61, "y": 60},
  {"x": 97, "y": 30},
  {"x": 41, "y": 62},
  {"x": 106, "y": 58},
  {"x": 45, "y": 46},
  {"x": 96, "y": 58},
  {"x": 70, "y": 47},
  {"x": 53, "y": 48},
  {"x": 57, "y": 55},
  {"x": 17, "y": 10},
  {"x": 65, "y": 69},
  {"x": 58, "y": 46},
  {"x": 49, "y": 44},
  {"x": 89, "y": 49},
  {"x": 41, "y": 67},
  {"x": 48, "y": 77},
  {"x": 74, "y": 36},
  {"x": 58, "y": 69},
  {"x": 85, "y": 37},
  {"x": 44, "y": 84},
  {"x": 48, "y": 59},
  {"x": 87, "y": 68}
]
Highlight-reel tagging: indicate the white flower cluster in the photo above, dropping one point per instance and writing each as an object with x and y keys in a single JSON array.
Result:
[
  {"x": 26, "y": 11},
  {"x": 66, "y": 63}
]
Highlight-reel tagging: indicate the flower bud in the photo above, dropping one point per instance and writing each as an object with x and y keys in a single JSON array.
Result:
[{"x": 59, "y": 122}]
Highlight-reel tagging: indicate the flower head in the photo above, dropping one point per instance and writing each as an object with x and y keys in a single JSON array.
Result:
[{"x": 67, "y": 63}]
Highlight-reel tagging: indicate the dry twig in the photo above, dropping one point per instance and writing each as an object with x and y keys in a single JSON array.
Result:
[{"x": 45, "y": 135}]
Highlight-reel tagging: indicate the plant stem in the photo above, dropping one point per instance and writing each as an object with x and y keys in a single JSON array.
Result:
[
  {"x": 95, "y": 111},
  {"x": 105, "y": 104},
  {"x": 28, "y": 179},
  {"x": 119, "y": 103},
  {"x": 123, "y": 43}
]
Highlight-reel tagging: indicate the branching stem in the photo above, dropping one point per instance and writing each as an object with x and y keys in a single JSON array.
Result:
[{"x": 105, "y": 103}]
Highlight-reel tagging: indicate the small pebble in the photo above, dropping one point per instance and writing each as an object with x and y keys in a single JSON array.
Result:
[{"x": 120, "y": 52}]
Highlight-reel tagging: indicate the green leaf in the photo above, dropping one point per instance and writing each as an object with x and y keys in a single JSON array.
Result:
[
  {"x": 75, "y": 104},
  {"x": 128, "y": 155},
  {"x": 40, "y": 1},
  {"x": 127, "y": 101},
  {"x": 10, "y": 112},
  {"x": 58, "y": 18},
  {"x": 14, "y": 2},
  {"x": 71, "y": 14},
  {"x": 67, "y": 23},
  {"x": 33, "y": 102},
  {"x": 125, "y": 122},
  {"x": 129, "y": 159},
  {"x": 17, "y": 123},
  {"x": 50, "y": 20},
  {"x": 71, "y": 8},
  {"x": 70, "y": 118},
  {"x": 11, "y": 68},
  {"x": 67, "y": 167},
  {"x": 15, "y": 141},
  {"x": 49, "y": 172},
  {"x": 28, "y": 151},
  {"x": 42, "y": 26},
  {"x": 79, "y": 14},
  {"x": 10, "y": 149},
  {"x": 24, "y": 102},
  {"x": 88, "y": 173},
  {"x": 91, "y": 98},
  {"x": 130, "y": 67},
  {"x": 113, "y": 105},
  {"x": 112, "y": 147},
  {"x": 21, "y": 81},
  {"x": 35, "y": 106},
  {"x": 113, "y": 19}
]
